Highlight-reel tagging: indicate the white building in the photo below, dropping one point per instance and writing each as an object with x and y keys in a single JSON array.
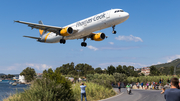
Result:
[
  {"x": 22, "y": 79},
  {"x": 145, "y": 70}
]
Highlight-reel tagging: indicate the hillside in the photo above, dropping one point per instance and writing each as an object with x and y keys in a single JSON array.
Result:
[
  {"x": 172, "y": 63},
  {"x": 2, "y": 74},
  {"x": 165, "y": 68}
]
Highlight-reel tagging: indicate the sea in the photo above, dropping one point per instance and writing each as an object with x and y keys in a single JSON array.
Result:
[{"x": 7, "y": 89}]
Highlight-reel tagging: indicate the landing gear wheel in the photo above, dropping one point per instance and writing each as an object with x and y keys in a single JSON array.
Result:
[
  {"x": 114, "y": 32},
  {"x": 63, "y": 41},
  {"x": 83, "y": 44}
]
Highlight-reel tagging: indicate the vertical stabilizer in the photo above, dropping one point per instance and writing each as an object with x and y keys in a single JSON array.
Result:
[{"x": 41, "y": 31}]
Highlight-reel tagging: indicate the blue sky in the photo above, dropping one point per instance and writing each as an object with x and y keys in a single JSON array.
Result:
[{"x": 149, "y": 36}]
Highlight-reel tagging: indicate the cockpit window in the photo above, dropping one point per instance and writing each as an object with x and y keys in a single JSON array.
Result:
[
  {"x": 118, "y": 11},
  {"x": 121, "y": 11}
]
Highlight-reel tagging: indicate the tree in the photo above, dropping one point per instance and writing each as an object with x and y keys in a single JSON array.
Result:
[
  {"x": 29, "y": 74},
  {"x": 104, "y": 71},
  {"x": 119, "y": 69},
  {"x": 142, "y": 74},
  {"x": 67, "y": 69},
  {"x": 98, "y": 70},
  {"x": 154, "y": 71},
  {"x": 171, "y": 70},
  {"x": 84, "y": 69},
  {"x": 111, "y": 69},
  {"x": 119, "y": 77},
  {"x": 10, "y": 76}
]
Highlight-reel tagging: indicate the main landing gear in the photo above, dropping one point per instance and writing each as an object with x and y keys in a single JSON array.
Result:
[
  {"x": 114, "y": 32},
  {"x": 63, "y": 41},
  {"x": 84, "y": 44}
]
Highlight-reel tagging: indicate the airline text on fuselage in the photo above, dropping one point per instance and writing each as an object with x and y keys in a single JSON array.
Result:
[{"x": 95, "y": 18}]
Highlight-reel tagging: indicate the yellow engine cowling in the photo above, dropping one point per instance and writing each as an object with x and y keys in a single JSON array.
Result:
[
  {"x": 98, "y": 37},
  {"x": 66, "y": 31}
]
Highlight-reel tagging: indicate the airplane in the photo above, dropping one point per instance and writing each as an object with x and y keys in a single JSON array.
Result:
[{"x": 80, "y": 30}]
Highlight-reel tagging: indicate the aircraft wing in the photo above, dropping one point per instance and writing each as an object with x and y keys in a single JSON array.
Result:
[{"x": 43, "y": 27}]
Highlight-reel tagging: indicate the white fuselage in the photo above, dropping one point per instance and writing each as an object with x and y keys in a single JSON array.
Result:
[{"x": 86, "y": 26}]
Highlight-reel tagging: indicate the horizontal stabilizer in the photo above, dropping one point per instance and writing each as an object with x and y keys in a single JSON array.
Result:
[{"x": 32, "y": 37}]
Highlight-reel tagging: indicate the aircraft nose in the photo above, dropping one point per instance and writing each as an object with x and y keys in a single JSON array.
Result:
[{"x": 126, "y": 15}]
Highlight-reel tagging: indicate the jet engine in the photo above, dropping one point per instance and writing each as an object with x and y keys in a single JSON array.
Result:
[
  {"x": 66, "y": 31},
  {"x": 98, "y": 37}
]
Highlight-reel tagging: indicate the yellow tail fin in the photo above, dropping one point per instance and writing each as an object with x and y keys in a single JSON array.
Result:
[{"x": 41, "y": 31}]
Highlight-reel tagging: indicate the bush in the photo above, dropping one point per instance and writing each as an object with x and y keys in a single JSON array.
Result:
[
  {"x": 101, "y": 79},
  {"x": 53, "y": 87},
  {"x": 93, "y": 92}
]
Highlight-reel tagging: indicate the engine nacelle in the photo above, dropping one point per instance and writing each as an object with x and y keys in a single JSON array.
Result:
[
  {"x": 98, "y": 37},
  {"x": 66, "y": 31}
]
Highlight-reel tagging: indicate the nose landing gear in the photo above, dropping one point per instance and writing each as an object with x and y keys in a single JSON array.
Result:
[{"x": 114, "y": 32}]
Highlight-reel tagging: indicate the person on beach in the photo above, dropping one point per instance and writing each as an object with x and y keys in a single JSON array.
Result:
[
  {"x": 147, "y": 84},
  {"x": 160, "y": 82},
  {"x": 138, "y": 85},
  {"x": 142, "y": 85},
  {"x": 165, "y": 87},
  {"x": 119, "y": 86},
  {"x": 83, "y": 92},
  {"x": 173, "y": 94},
  {"x": 179, "y": 83}
]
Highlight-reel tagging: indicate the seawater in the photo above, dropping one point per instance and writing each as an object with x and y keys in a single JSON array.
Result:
[{"x": 7, "y": 89}]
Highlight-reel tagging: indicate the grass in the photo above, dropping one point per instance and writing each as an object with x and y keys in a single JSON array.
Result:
[{"x": 94, "y": 92}]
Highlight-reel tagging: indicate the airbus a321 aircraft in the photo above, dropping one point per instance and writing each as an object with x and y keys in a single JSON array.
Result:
[{"x": 80, "y": 30}]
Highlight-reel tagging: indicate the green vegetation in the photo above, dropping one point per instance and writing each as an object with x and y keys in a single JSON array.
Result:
[
  {"x": 168, "y": 68},
  {"x": 154, "y": 71},
  {"x": 120, "y": 77},
  {"x": 101, "y": 79},
  {"x": 98, "y": 70},
  {"x": 94, "y": 92},
  {"x": 29, "y": 74},
  {"x": 7, "y": 76},
  {"x": 146, "y": 79},
  {"x": 172, "y": 63},
  {"x": 52, "y": 87},
  {"x": 80, "y": 69},
  {"x": 83, "y": 70}
]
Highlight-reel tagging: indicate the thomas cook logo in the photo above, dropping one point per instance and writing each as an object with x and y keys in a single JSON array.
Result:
[{"x": 87, "y": 21}]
